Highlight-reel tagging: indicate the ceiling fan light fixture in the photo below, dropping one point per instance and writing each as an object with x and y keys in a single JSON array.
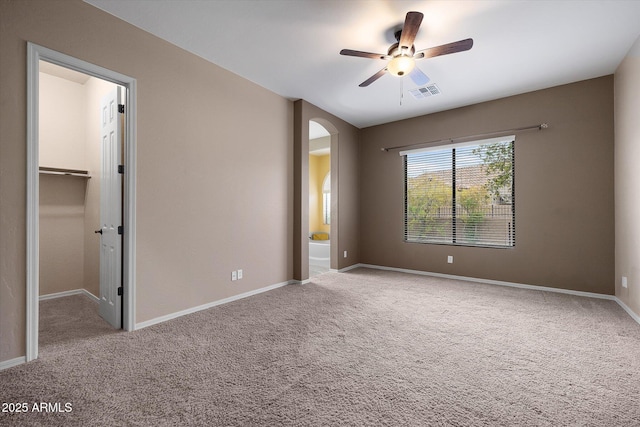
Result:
[
  {"x": 401, "y": 65},
  {"x": 402, "y": 55}
]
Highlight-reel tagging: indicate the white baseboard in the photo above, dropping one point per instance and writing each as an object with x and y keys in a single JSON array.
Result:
[
  {"x": 493, "y": 282},
  {"x": 351, "y": 267},
  {"x": 630, "y": 312},
  {"x": 12, "y": 362},
  {"x": 633, "y": 315},
  {"x": 211, "y": 304},
  {"x": 69, "y": 293},
  {"x": 90, "y": 295}
]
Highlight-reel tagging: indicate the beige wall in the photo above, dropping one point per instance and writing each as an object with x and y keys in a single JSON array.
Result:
[
  {"x": 627, "y": 178},
  {"x": 319, "y": 167},
  {"x": 564, "y": 190},
  {"x": 62, "y": 123},
  {"x": 61, "y": 233},
  {"x": 209, "y": 199}
]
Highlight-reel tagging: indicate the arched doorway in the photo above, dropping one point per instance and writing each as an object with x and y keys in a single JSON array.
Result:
[
  {"x": 319, "y": 199},
  {"x": 304, "y": 113}
]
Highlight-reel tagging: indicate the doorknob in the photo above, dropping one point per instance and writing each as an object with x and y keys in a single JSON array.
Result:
[{"x": 98, "y": 231}]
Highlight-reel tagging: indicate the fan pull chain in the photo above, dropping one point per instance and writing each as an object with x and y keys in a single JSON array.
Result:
[{"x": 401, "y": 90}]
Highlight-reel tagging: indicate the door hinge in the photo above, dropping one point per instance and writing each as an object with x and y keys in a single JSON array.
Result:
[
  {"x": 120, "y": 229},
  {"x": 120, "y": 168},
  {"x": 121, "y": 108},
  {"x": 120, "y": 291}
]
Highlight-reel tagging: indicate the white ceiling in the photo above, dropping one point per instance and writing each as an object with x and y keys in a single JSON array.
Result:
[{"x": 291, "y": 47}]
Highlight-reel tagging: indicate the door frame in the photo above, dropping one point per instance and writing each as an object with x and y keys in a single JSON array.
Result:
[
  {"x": 303, "y": 113},
  {"x": 35, "y": 53}
]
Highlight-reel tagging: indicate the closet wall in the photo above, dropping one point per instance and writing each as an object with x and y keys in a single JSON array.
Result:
[{"x": 69, "y": 138}]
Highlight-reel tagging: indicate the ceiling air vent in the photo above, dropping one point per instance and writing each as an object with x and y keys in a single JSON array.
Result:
[{"x": 425, "y": 92}]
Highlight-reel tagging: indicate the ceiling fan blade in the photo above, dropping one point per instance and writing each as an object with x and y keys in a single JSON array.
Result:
[
  {"x": 445, "y": 49},
  {"x": 373, "y": 78},
  {"x": 360, "y": 54},
  {"x": 419, "y": 77},
  {"x": 410, "y": 29}
]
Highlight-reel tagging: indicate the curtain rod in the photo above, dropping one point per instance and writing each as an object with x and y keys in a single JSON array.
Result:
[{"x": 470, "y": 137}]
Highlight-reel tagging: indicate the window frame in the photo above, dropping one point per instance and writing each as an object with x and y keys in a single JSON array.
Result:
[{"x": 511, "y": 233}]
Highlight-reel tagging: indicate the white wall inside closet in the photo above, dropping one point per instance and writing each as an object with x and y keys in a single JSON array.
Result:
[{"x": 69, "y": 138}]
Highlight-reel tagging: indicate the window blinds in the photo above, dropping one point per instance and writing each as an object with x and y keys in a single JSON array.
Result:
[{"x": 461, "y": 194}]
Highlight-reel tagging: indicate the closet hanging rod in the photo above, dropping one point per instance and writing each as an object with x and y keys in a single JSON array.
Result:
[
  {"x": 68, "y": 172},
  {"x": 467, "y": 138}
]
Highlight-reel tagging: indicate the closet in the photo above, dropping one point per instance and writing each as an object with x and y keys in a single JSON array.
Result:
[{"x": 69, "y": 181}]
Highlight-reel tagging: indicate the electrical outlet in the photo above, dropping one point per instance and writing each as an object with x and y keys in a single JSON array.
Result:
[
  {"x": 450, "y": 259},
  {"x": 239, "y": 274},
  {"x": 345, "y": 254},
  {"x": 624, "y": 282},
  {"x": 234, "y": 275}
]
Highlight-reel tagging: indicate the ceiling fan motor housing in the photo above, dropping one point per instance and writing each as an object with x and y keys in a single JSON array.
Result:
[
  {"x": 402, "y": 61},
  {"x": 394, "y": 50}
]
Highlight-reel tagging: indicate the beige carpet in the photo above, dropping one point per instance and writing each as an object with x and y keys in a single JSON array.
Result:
[{"x": 360, "y": 348}]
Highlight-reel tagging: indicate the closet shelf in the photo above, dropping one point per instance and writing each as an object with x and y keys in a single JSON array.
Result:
[{"x": 67, "y": 172}]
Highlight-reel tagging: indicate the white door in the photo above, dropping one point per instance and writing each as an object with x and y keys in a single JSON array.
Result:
[{"x": 111, "y": 211}]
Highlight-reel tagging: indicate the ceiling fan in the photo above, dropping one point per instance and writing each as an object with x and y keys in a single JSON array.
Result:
[{"x": 402, "y": 55}]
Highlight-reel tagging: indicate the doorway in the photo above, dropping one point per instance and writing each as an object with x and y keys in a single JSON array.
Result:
[
  {"x": 319, "y": 199},
  {"x": 72, "y": 175},
  {"x": 73, "y": 171}
]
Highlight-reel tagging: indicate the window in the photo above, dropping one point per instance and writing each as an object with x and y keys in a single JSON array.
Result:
[
  {"x": 461, "y": 194},
  {"x": 326, "y": 199}
]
